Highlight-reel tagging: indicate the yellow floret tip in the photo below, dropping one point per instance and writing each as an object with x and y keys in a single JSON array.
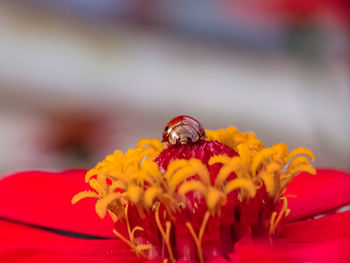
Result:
[{"x": 82, "y": 195}]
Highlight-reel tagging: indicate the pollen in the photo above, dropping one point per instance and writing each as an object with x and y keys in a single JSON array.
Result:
[{"x": 175, "y": 202}]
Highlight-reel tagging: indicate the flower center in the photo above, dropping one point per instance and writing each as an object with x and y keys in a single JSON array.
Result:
[{"x": 194, "y": 201}]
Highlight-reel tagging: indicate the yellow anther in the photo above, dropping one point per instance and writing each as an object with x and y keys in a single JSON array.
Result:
[
  {"x": 225, "y": 136},
  {"x": 201, "y": 170},
  {"x": 233, "y": 166},
  {"x": 102, "y": 204},
  {"x": 233, "y": 138},
  {"x": 260, "y": 158},
  {"x": 90, "y": 174},
  {"x": 191, "y": 186},
  {"x": 151, "y": 169},
  {"x": 214, "y": 197},
  {"x": 118, "y": 184},
  {"x": 116, "y": 174},
  {"x": 224, "y": 159},
  {"x": 241, "y": 184},
  {"x": 299, "y": 164},
  {"x": 82, "y": 195},
  {"x": 279, "y": 151},
  {"x": 174, "y": 166},
  {"x": 94, "y": 184},
  {"x": 300, "y": 151},
  {"x": 134, "y": 193},
  {"x": 245, "y": 153},
  {"x": 180, "y": 176},
  {"x": 153, "y": 143},
  {"x": 150, "y": 194},
  {"x": 271, "y": 178}
]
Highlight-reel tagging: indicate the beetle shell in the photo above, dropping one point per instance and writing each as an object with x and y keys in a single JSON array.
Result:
[{"x": 183, "y": 129}]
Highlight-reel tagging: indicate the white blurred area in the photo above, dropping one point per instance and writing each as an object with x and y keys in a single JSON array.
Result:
[{"x": 73, "y": 89}]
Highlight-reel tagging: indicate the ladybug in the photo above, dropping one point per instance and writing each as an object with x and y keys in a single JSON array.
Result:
[{"x": 183, "y": 129}]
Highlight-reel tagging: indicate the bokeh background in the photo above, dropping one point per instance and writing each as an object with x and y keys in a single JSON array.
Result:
[{"x": 79, "y": 79}]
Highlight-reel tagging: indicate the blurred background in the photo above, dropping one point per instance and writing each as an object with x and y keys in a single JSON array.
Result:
[{"x": 79, "y": 79}]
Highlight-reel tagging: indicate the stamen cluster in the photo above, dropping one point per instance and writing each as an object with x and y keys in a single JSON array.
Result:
[{"x": 195, "y": 201}]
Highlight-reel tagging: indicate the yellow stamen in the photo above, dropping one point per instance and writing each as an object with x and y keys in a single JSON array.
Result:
[
  {"x": 155, "y": 144},
  {"x": 270, "y": 178},
  {"x": 242, "y": 184},
  {"x": 191, "y": 186},
  {"x": 214, "y": 197},
  {"x": 151, "y": 193},
  {"x": 300, "y": 151},
  {"x": 297, "y": 165},
  {"x": 224, "y": 159},
  {"x": 180, "y": 176},
  {"x": 113, "y": 216},
  {"x": 165, "y": 233},
  {"x": 284, "y": 212},
  {"x": 260, "y": 157},
  {"x": 123, "y": 238},
  {"x": 103, "y": 203},
  {"x": 94, "y": 184},
  {"x": 230, "y": 165},
  {"x": 118, "y": 184},
  {"x": 138, "y": 248},
  {"x": 191, "y": 168},
  {"x": 134, "y": 193},
  {"x": 174, "y": 166},
  {"x": 82, "y": 195},
  {"x": 233, "y": 138},
  {"x": 201, "y": 170},
  {"x": 198, "y": 239}
]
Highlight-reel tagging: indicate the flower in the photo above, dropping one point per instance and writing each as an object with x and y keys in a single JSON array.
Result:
[{"x": 151, "y": 195}]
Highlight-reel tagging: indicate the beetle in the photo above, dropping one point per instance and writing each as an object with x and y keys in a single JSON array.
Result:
[{"x": 183, "y": 129}]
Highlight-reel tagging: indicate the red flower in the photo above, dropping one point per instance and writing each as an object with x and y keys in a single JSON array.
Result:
[{"x": 39, "y": 224}]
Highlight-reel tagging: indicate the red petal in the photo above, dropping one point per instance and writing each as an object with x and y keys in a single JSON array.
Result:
[
  {"x": 24, "y": 244},
  {"x": 332, "y": 226},
  {"x": 248, "y": 251},
  {"x": 44, "y": 199},
  {"x": 316, "y": 194},
  {"x": 215, "y": 260},
  {"x": 323, "y": 251},
  {"x": 322, "y": 240}
]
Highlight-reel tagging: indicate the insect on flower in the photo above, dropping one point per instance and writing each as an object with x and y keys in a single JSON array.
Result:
[{"x": 183, "y": 129}]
